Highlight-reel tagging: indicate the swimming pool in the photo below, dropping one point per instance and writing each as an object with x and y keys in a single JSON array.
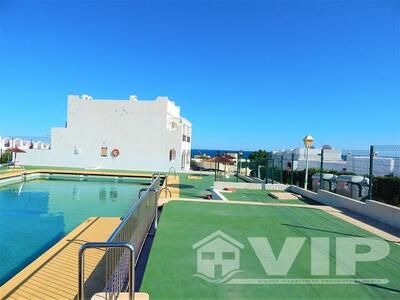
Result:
[{"x": 35, "y": 214}]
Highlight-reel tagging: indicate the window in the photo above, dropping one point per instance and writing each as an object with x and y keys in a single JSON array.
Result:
[
  {"x": 207, "y": 255},
  {"x": 228, "y": 255},
  {"x": 172, "y": 155},
  {"x": 188, "y": 157},
  {"x": 103, "y": 151},
  {"x": 183, "y": 162}
]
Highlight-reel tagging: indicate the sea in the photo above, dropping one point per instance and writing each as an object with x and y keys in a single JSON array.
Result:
[{"x": 213, "y": 153}]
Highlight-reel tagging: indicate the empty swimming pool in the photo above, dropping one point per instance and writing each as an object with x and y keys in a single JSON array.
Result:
[{"x": 35, "y": 214}]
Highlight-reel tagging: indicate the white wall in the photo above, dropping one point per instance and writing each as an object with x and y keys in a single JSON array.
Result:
[
  {"x": 360, "y": 165},
  {"x": 220, "y": 185},
  {"x": 138, "y": 129},
  {"x": 382, "y": 212}
]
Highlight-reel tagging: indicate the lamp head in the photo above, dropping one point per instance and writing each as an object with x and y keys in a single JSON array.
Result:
[{"x": 308, "y": 141}]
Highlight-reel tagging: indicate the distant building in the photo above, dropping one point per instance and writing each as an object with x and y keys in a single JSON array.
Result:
[
  {"x": 22, "y": 143},
  {"x": 332, "y": 158},
  {"x": 118, "y": 134},
  {"x": 333, "y": 161}
]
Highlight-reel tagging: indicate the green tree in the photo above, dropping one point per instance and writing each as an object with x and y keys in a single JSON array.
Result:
[{"x": 259, "y": 155}]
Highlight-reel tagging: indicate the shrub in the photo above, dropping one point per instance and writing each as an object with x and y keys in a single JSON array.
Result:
[
  {"x": 386, "y": 190},
  {"x": 6, "y": 157}
]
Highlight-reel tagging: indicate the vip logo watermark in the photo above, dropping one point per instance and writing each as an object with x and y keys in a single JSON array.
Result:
[{"x": 218, "y": 259}]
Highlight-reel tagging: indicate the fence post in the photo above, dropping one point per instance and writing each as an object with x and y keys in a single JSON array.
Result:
[
  {"x": 281, "y": 168},
  {"x": 292, "y": 169},
  {"x": 218, "y": 166},
  {"x": 321, "y": 171},
  {"x": 273, "y": 170},
  {"x": 237, "y": 167},
  {"x": 371, "y": 170},
  {"x": 215, "y": 168},
  {"x": 266, "y": 168}
]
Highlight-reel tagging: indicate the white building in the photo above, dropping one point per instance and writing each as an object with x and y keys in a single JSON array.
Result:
[
  {"x": 332, "y": 161},
  {"x": 118, "y": 134},
  {"x": 332, "y": 158},
  {"x": 22, "y": 143}
]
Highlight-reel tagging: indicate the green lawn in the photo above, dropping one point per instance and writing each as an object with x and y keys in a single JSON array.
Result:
[
  {"x": 260, "y": 196},
  {"x": 172, "y": 262}
]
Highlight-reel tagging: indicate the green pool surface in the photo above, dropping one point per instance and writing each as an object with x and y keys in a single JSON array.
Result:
[
  {"x": 173, "y": 261},
  {"x": 254, "y": 195}
]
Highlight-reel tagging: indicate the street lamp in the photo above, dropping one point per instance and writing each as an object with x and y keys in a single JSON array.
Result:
[{"x": 308, "y": 141}]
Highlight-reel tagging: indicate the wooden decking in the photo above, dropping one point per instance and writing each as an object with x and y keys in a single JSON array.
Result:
[{"x": 54, "y": 275}]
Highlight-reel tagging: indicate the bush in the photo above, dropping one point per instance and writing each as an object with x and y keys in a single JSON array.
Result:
[
  {"x": 6, "y": 157},
  {"x": 386, "y": 190}
]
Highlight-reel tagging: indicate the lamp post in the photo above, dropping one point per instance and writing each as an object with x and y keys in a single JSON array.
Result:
[{"x": 308, "y": 141}]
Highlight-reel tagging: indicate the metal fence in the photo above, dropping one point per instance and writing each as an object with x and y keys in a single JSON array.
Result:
[
  {"x": 124, "y": 245},
  {"x": 380, "y": 165}
]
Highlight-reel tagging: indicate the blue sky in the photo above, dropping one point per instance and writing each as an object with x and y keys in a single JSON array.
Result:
[{"x": 259, "y": 74}]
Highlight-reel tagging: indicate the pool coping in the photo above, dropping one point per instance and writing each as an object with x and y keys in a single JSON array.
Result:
[{"x": 21, "y": 172}]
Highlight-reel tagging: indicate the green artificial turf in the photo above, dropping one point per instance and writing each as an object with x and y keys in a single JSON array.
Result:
[
  {"x": 260, "y": 196},
  {"x": 195, "y": 188},
  {"x": 172, "y": 261}
]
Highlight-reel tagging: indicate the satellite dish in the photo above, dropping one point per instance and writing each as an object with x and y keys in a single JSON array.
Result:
[{"x": 327, "y": 147}]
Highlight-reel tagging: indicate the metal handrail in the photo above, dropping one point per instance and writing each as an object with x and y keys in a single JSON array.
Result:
[
  {"x": 107, "y": 245},
  {"x": 125, "y": 234},
  {"x": 122, "y": 224},
  {"x": 174, "y": 171},
  {"x": 166, "y": 189}
]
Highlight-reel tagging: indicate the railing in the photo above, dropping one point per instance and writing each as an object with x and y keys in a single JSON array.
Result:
[
  {"x": 173, "y": 171},
  {"x": 106, "y": 245},
  {"x": 132, "y": 231}
]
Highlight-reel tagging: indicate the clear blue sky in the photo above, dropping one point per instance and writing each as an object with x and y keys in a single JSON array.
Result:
[{"x": 249, "y": 75}]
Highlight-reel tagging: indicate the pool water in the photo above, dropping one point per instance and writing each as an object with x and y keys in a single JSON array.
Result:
[{"x": 35, "y": 214}]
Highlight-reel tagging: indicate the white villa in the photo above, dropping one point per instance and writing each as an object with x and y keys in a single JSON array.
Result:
[{"x": 118, "y": 134}]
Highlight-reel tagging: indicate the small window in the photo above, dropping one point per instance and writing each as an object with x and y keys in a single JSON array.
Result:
[
  {"x": 103, "y": 151},
  {"x": 228, "y": 255},
  {"x": 207, "y": 255},
  {"x": 172, "y": 155}
]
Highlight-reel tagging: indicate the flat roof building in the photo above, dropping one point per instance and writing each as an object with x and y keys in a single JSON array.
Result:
[{"x": 118, "y": 134}]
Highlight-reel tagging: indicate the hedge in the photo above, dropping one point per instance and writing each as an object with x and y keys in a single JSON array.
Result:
[{"x": 386, "y": 190}]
